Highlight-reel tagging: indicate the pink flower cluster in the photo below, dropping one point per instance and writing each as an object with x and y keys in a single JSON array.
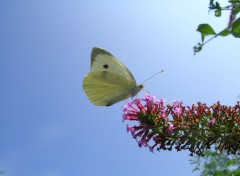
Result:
[
  {"x": 152, "y": 118},
  {"x": 194, "y": 128}
]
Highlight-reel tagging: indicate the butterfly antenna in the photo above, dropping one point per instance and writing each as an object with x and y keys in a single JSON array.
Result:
[
  {"x": 146, "y": 90},
  {"x": 153, "y": 76}
]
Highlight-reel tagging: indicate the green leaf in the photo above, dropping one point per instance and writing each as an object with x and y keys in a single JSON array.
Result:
[
  {"x": 224, "y": 32},
  {"x": 236, "y": 28},
  {"x": 236, "y": 10},
  {"x": 230, "y": 163},
  {"x": 214, "y": 6},
  {"x": 234, "y": 172},
  {"x": 218, "y": 5},
  {"x": 211, "y": 3},
  {"x": 197, "y": 48},
  {"x": 234, "y": 1},
  {"x": 218, "y": 13},
  {"x": 205, "y": 30}
]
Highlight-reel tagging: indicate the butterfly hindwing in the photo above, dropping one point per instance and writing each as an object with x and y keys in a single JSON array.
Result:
[{"x": 105, "y": 88}]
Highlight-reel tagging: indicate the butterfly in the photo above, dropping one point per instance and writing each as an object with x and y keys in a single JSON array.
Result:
[{"x": 109, "y": 81}]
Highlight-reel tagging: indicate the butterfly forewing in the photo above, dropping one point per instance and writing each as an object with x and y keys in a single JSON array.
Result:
[{"x": 102, "y": 60}]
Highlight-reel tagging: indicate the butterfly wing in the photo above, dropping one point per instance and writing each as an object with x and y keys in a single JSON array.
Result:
[
  {"x": 106, "y": 88},
  {"x": 102, "y": 60}
]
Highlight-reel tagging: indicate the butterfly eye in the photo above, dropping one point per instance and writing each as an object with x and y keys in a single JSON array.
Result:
[{"x": 105, "y": 66}]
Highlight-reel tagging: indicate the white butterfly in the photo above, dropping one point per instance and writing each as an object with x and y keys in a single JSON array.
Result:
[{"x": 109, "y": 81}]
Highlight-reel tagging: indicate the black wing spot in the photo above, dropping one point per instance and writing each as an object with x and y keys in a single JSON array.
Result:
[{"x": 105, "y": 66}]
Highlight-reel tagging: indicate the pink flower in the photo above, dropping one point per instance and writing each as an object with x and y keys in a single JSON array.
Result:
[
  {"x": 177, "y": 111},
  {"x": 175, "y": 103},
  {"x": 212, "y": 122},
  {"x": 162, "y": 127},
  {"x": 163, "y": 116},
  {"x": 162, "y": 100},
  {"x": 149, "y": 97},
  {"x": 171, "y": 128},
  {"x": 130, "y": 129},
  {"x": 143, "y": 142}
]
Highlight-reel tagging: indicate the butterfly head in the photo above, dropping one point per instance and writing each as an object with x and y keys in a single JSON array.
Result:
[{"x": 136, "y": 89}]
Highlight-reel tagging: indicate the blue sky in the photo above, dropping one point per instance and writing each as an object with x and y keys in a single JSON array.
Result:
[{"x": 48, "y": 127}]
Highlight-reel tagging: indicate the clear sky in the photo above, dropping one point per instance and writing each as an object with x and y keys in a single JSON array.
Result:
[{"x": 48, "y": 127}]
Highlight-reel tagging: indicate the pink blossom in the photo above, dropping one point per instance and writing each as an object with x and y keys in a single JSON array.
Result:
[
  {"x": 130, "y": 129},
  {"x": 177, "y": 111},
  {"x": 162, "y": 100},
  {"x": 175, "y": 103},
  {"x": 171, "y": 128},
  {"x": 149, "y": 97},
  {"x": 212, "y": 122},
  {"x": 142, "y": 142},
  {"x": 163, "y": 126}
]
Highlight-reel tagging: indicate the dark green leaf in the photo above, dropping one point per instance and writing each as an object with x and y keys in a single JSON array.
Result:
[
  {"x": 234, "y": 1},
  {"x": 205, "y": 29},
  {"x": 224, "y": 32},
  {"x": 218, "y": 13},
  {"x": 235, "y": 172},
  {"x": 211, "y": 3},
  {"x": 230, "y": 163},
  {"x": 236, "y": 28},
  {"x": 236, "y": 10},
  {"x": 197, "y": 48},
  {"x": 214, "y": 6}
]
